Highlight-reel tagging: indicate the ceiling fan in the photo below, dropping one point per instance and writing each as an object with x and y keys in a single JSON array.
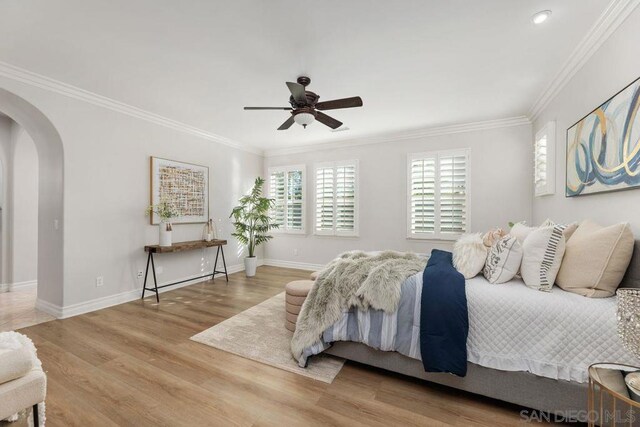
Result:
[{"x": 304, "y": 106}]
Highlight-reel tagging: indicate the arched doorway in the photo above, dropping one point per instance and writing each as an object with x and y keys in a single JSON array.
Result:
[{"x": 50, "y": 197}]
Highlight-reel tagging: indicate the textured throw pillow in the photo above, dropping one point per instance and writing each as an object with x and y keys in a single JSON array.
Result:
[
  {"x": 469, "y": 255},
  {"x": 503, "y": 260},
  {"x": 520, "y": 231},
  {"x": 569, "y": 229},
  {"x": 543, "y": 250},
  {"x": 596, "y": 259}
]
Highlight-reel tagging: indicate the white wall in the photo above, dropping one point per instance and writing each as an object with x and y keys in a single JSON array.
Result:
[
  {"x": 24, "y": 210},
  {"x": 501, "y": 191},
  {"x": 106, "y": 189},
  {"x": 612, "y": 67},
  {"x": 6, "y": 125}
]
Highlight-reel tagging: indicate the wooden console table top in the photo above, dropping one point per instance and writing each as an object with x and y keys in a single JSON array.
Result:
[{"x": 184, "y": 246}]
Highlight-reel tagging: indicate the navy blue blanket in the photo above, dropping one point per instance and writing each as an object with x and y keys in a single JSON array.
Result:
[{"x": 444, "y": 319}]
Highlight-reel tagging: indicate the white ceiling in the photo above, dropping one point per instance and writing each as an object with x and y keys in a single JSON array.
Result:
[{"x": 415, "y": 63}]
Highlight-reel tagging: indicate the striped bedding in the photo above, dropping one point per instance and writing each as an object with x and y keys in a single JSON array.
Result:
[{"x": 399, "y": 331}]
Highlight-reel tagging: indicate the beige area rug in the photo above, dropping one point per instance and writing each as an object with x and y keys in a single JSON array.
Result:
[{"x": 259, "y": 334}]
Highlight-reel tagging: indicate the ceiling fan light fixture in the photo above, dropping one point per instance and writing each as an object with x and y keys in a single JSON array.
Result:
[
  {"x": 304, "y": 119},
  {"x": 540, "y": 17}
]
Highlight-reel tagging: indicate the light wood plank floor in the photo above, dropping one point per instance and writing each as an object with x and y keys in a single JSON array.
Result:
[
  {"x": 18, "y": 310},
  {"x": 134, "y": 365}
]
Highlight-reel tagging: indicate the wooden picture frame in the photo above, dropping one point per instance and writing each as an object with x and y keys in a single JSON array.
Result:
[{"x": 184, "y": 185}]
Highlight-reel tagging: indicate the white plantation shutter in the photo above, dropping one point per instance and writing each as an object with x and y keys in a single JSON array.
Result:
[
  {"x": 337, "y": 199},
  {"x": 540, "y": 164},
  {"x": 422, "y": 201},
  {"x": 544, "y": 160},
  {"x": 286, "y": 187},
  {"x": 295, "y": 201},
  {"x": 453, "y": 193},
  {"x": 324, "y": 199},
  {"x": 277, "y": 192},
  {"x": 437, "y": 194}
]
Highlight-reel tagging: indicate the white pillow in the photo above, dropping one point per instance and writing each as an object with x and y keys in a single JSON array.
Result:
[
  {"x": 569, "y": 229},
  {"x": 469, "y": 255},
  {"x": 543, "y": 252},
  {"x": 520, "y": 231},
  {"x": 503, "y": 260}
]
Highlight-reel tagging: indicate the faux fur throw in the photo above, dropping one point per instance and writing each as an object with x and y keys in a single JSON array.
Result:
[{"x": 354, "y": 279}]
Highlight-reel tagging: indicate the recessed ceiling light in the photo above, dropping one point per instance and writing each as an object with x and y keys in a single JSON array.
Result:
[{"x": 540, "y": 17}]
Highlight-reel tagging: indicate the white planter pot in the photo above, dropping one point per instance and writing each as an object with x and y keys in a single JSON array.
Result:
[
  {"x": 165, "y": 235},
  {"x": 250, "y": 265}
]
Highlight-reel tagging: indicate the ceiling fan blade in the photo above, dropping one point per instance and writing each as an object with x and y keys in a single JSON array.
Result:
[
  {"x": 335, "y": 104},
  {"x": 298, "y": 92},
  {"x": 287, "y": 124},
  {"x": 268, "y": 108},
  {"x": 329, "y": 121}
]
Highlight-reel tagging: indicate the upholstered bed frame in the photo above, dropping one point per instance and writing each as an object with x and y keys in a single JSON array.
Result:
[{"x": 522, "y": 388}]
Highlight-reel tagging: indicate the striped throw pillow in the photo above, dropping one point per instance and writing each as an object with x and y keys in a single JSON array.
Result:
[{"x": 543, "y": 251}]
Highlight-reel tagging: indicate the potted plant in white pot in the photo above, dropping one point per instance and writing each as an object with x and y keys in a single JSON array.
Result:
[
  {"x": 252, "y": 223},
  {"x": 165, "y": 211}
]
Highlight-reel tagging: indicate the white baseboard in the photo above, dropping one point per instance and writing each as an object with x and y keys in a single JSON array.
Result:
[
  {"x": 23, "y": 285},
  {"x": 127, "y": 296},
  {"x": 28, "y": 284},
  {"x": 293, "y": 264}
]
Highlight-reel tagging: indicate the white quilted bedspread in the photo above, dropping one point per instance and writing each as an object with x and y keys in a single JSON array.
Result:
[{"x": 553, "y": 334}]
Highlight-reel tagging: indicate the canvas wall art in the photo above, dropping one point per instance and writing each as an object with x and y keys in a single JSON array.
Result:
[
  {"x": 603, "y": 149},
  {"x": 184, "y": 185}
]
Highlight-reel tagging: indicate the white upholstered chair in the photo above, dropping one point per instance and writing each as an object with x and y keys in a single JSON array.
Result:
[{"x": 23, "y": 383}]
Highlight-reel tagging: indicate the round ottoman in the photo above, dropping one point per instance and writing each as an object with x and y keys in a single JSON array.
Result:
[{"x": 296, "y": 293}]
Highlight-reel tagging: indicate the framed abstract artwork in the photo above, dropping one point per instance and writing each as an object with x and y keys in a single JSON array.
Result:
[
  {"x": 184, "y": 185},
  {"x": 603, "y": 148}
]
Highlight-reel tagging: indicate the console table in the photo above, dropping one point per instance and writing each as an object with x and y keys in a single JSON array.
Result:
[{"x": 181, "y": 247}]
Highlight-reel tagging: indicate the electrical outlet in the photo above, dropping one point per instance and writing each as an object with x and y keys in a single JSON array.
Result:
[
  {"x": 99, "y": 281},
  {"x": 159, "y": 269},
  {"x": 295, "y": 252},
  {"x": 140, "y": 274}
]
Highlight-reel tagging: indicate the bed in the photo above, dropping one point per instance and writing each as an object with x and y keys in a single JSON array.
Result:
[{"x": 526, "y": 347}]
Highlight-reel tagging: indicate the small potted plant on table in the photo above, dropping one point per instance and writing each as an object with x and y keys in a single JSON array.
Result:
[
  {"x": 252, "y": 223},
  {"x": 165, "y": 211}
]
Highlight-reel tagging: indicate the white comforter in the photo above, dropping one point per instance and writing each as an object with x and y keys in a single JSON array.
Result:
[{"x": 553, "y": 334}]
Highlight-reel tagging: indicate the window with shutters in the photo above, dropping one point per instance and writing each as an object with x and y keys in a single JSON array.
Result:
[
  {"x": 286, "y": 187},
  {"x": 336, "y": 205},
  {"x": 544, "y": 160},
  {"x": 438, "y": 194}
]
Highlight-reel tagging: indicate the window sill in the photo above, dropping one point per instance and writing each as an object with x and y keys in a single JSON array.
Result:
[
  {"x": 434, "y": 239},
  {"x": 288, "y": 233}
]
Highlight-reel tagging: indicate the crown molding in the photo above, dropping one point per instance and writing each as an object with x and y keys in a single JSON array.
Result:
[
  {"x": 401, "y": 136},
  {"x": 613, "y": 16},
  {"x": 52, "y": 85}
]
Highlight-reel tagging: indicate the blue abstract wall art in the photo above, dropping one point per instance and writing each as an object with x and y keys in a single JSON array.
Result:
[{"x": 603, "y": 149}]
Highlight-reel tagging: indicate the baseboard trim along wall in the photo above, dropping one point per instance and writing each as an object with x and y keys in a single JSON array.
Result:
[
  {"x": 8, "y": 287},
  {"x": 121, "y": 298},
  {"x": 23, "y": 285},
  {"x": 292, "y": 264}
]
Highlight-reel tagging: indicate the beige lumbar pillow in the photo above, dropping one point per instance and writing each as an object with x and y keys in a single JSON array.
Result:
[
  {"x": 543, "y": 251},
  {"x": 469, "y": 255},
  {"x": 596, "y": 259}
]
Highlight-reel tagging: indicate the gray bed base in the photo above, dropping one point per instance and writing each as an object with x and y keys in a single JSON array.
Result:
[{"x": 521, "y": 388}]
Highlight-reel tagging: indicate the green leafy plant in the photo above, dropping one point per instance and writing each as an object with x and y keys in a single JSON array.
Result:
[
  {"x": 251, "y": 218},
  {"x": 164, "y": 210}
]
